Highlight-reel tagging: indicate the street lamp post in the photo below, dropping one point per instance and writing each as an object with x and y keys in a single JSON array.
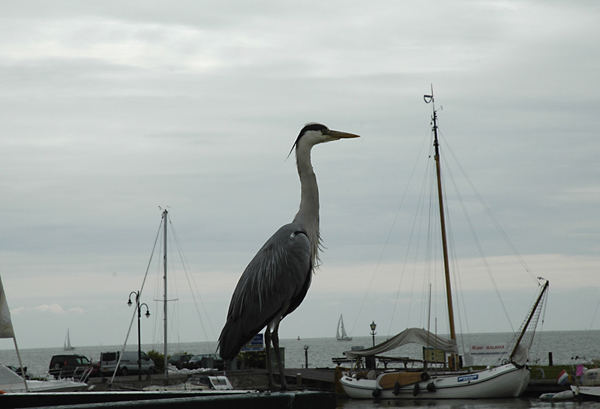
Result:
[
  {"x": 138, "y": 306},
  {"x": 373, "y": 326},
  {"x": 306, "y": 356}
]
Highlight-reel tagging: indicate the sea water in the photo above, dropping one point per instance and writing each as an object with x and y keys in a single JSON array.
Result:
[{"x": 567, "y": 348}]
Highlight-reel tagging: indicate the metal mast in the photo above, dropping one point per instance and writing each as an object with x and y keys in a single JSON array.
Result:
[
  {"x": 164, "y": 215},
  {"x": 429, "y": 99}
]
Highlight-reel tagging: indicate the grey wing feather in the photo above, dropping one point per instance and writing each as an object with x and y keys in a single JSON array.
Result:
[{"x": 277, "y": 277}]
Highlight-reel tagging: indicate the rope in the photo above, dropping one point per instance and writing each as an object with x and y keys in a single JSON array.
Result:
[
  {"x": 385, "y": 244},
  {"x": 595, "y": 315},
  {"x": 480, "y": 249},
  {"x": 136, "y": 305},
  {"x": 192, "y": 285},
  {"x": 492, "y": 217}
]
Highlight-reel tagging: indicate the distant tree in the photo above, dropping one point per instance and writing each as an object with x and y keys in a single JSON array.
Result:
[{"x": 159, "y": 360}]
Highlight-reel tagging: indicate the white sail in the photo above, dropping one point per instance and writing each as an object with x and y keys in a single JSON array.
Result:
[
  {"x": 6, "y": 327},
  {"x": 7, "y": 330},
  {"x": 341, "y": 334},
  {"x": 68, "y": 346}
]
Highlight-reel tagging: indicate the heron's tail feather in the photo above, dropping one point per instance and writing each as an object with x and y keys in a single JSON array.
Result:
[{"x": 232, "y": 338}]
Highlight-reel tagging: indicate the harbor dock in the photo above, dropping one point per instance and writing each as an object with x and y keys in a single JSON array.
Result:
[
  {"x": 315, "y": 379},
  {"x": 312, "y": 388},
  {"x": 179, "y": 400}
]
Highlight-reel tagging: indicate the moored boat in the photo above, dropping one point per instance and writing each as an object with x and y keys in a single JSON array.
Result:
[
  {"x": 507, "y": 380},
  {"x": 10, "y": 382}
]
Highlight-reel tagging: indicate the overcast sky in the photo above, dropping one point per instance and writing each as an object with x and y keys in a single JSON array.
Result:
[{"x": 111, "y": 109}]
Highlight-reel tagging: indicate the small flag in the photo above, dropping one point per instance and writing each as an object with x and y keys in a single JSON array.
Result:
[
  {"x": 579, "y": 370},
  {"x": 563, "y": 378}
]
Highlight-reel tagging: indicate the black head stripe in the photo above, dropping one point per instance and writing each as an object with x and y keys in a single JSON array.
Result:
[{"x": 313, "y": 126}]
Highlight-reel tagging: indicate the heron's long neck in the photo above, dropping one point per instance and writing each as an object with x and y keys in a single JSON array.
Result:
[{"x": 308, "y": 214}]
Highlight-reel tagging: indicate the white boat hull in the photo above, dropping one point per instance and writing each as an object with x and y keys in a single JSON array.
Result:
[
  {"x": 11, "y": 382},
  {"x": 54, "y": 385},
  {"x": 586, "y": 391},
  {"x": 506, "y": 381}
]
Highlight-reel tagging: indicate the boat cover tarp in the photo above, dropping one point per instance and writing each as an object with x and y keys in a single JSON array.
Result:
[
  {"x": 402, "y": 378},
  {"x": 408, "y": 336}
]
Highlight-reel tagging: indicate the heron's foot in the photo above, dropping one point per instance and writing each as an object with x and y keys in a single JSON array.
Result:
[
  {"x": 283, "y": 383},
  {"x": 277, "y": 386}
]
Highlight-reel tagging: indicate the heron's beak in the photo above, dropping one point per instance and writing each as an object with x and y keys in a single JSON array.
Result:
[{"x": 340, "y": 135}]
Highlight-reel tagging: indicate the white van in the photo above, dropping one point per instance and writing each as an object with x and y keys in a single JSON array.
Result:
[{"x": 128, "y": 364}]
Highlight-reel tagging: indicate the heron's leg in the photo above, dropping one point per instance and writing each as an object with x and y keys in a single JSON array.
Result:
[
  {"x": 268, "y": 357},
  {"x": 275, "y": 339}
]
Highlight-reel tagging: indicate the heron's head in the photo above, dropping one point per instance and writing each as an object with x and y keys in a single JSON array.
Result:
[{"x": 314, "y": 133}]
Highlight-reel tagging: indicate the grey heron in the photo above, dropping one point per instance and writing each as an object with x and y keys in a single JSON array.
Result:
[{"x": 278, "y": 277}]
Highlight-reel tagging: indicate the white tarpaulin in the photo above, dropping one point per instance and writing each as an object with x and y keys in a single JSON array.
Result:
[
  {"x": 408, "y": 336},
  {"x": 6, "y": 328}
]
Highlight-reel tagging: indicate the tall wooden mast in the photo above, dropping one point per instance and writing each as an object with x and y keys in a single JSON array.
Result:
[{"x": 429, "y": 99}]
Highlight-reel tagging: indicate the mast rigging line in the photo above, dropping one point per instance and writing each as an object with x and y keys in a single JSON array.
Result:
[
  {"x": 409, "y": 248},
  {"x": 137, "y": 304},
  {"x": 175, "y": 313},
  {"x": 192, "y": 285},
  {"x": 386, "y": 242},
  {"x": 595, "y": 315},
  {"x": 490, "y": 214},
  {"x": 151, "y": 256},
  {"x": 457, "y": 275}
]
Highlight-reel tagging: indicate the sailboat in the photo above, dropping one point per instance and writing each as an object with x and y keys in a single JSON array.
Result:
[
  {"x": 341, "y": 334},
  {"x": 10, "y": 381},
  {"x": 504, "y": 381},
  {"x": 67, "y": 345}
]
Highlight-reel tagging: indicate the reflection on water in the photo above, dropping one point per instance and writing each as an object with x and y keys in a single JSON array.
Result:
[{"x": 463, "y": 404}]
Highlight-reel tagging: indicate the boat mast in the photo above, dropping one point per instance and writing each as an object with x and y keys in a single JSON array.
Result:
[
  {"x": 164, "y": 215},
  {"x": 529, "y": 318},
  {"x": 428, "y": 99}
]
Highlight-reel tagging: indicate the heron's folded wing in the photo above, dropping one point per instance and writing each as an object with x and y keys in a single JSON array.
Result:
[{"x": 277, "y": 278}]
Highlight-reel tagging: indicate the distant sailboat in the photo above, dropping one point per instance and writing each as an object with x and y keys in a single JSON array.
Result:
[
  {"x": 68, "y": 346},
  {"x": 341, "y": 334},
  {"x": 10, "y": 381}
]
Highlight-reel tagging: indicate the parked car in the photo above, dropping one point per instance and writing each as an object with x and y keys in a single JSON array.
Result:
[
  {"x": 127, "y": 365},
  {"x": 69, "y": 365},
  {"x": 180, "y": 359},
  {"x": 205, "y": 361}
]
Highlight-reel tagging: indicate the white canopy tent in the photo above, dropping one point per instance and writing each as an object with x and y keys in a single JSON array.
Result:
[{"x": 408, "y": 336}]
